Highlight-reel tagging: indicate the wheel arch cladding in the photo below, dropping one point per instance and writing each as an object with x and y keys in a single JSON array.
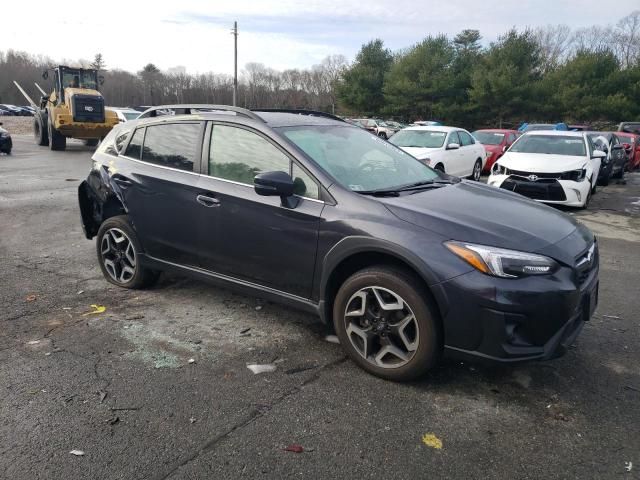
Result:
[
  {"x": 340, "y": 265},
  {"x": 95, "y": 209}
]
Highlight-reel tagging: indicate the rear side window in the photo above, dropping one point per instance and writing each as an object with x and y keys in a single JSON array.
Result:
[
  {"x": 172, "y": 145},
  {"x": 239, "y": 155},
  {"x": 135, "y": 146},
  {"x": 511, "y": 139},
  {"x": 465, "y": 138}
]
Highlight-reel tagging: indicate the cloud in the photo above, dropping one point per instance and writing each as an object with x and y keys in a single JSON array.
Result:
[{"x": 281, "y": 34}]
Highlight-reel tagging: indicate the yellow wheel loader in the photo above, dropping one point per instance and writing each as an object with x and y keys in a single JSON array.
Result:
[{"x": 74, "y": 109}]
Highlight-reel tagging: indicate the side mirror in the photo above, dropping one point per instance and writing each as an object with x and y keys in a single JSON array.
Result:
[
  {"x": 276, "y": 184},
  {"x": 453, "y": 146},
  {"x": 598, "y": 154},
  {"x": 45, "y": 74},
  {"x": 101, "y": 80}
]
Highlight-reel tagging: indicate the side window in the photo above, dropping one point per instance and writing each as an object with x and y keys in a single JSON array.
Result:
[
  {"x": 465, "y": 138},
  {"x": 303, "y": 184},
  {"x": 511, "y": 138},
  {"x": 120, "y": 140},
  {"x": 135, "y": 146},
  {"x": 172, "y": 145},
  {"x": 453, "y": 138},
  {"x": 239, "y": 155}
]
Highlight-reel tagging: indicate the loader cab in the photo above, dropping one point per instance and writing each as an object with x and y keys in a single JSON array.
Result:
[{"x": 66, "y": 77}]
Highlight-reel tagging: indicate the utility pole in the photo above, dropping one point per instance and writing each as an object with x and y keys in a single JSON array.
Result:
[{"x": 234, "y": 32}]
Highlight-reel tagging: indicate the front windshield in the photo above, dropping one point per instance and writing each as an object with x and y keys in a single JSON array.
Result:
[
  {"x": 419, "y": 138},
  {"x": 488, "y": 138},
  {"x": 550, "y": 144},
  {"x": 541, "y": 126},
  {"x": 79, "y": 79},
  {"x": 356, "y": 159}
]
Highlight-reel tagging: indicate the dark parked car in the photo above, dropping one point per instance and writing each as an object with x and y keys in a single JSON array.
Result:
[
  {"x": 5, "y": 141},
  {"x": 405, "y": 262},
  {"x": 614, "y": 164}
]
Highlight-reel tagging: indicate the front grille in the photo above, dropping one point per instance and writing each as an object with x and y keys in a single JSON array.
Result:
[
  {"x": 586, "y": 262},
  {"x": 88, "y": 108},
  {"x": 544, "y": 189},
  {"x": 539, "y": 175}
]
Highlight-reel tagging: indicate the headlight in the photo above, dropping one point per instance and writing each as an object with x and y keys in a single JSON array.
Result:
[
  {"x": 498, "y": 169},
  {"x": 500, "y": 262},
  {"x": 426, "y": 161},
  {"x": 574, "y": 175}
]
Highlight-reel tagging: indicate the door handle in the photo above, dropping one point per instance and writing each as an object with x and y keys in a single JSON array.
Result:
[{"x": 208, "y": 201}]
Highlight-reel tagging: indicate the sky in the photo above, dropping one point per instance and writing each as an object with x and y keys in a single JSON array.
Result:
[{"x": 278, "y": 33}]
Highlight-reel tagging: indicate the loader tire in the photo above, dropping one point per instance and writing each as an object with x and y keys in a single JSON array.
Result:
[
  {"x": 40, "y": 132},
  {"x": 57, "y": 141}
]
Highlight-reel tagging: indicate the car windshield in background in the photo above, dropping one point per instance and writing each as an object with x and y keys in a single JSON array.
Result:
[
  {"x": 418, "y": 139},
  {"x": 550, "y": 144},
  {"x": 541, "y": 126},
  {"x": 357, "y": 159},
  {"x": 131, "y": 115},
  {"x": 489, "y": 138}
]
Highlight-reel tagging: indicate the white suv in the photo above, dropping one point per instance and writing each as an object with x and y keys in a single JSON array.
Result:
[{"x": 448, "y": 149}]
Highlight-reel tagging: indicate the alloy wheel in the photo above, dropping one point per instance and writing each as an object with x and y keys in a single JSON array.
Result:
[
  {"x": 477, "y": 171},
  {"x": 118, "y": 255},
  {"x": 381, "y": 327}
]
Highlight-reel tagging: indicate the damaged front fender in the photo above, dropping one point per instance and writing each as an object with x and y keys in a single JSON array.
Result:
[{"x": 98, "y": 201}]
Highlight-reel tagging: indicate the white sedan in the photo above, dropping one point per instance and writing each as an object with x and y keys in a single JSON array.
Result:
[
  {"x": 556, "y": 167},
  {"x": 448, "y": 149}
]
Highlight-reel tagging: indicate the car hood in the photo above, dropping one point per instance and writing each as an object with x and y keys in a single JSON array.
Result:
[
  {"x": 420, "y": 152},
  {"x": 473, "y": 212},
  {"x": 541, "y": 162}
]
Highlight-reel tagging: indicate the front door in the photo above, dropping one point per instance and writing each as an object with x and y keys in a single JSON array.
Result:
[{"x": 252, "y": 237}]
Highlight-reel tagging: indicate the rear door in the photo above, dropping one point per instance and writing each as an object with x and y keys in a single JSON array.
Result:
[
  {"x": 454, "y": 158},
  {"x": 469, "y": 153},
  {"x": 160, "y": 189},
  {"x": 252, "y": 237}
]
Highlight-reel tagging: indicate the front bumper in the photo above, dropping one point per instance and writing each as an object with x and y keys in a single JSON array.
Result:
[
  {"x": 513, "y": 320},
  {"x": 559, "y": 192},
  {"x": 65, "y": 124}
]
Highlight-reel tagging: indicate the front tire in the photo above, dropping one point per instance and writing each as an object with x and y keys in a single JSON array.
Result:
[
  {"x": 386, "y": 324},
  {"x": 382, "y": 135},
  {"x": 439, "y": 167},
  {"x": 91, "y": 142},
  {"x": 40, "y": 133},
  {"x": 118, "y": 251},
  {"x": 57, "y": 141}
]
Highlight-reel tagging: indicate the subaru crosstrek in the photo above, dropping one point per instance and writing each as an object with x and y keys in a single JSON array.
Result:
[{"x": 406, "y": 262}]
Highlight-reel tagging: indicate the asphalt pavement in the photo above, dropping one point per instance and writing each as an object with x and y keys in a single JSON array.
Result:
[{"x": 156, "y": 386}]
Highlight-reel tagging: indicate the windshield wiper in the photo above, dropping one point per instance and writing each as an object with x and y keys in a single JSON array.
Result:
[{"x": 411, "y": 187}]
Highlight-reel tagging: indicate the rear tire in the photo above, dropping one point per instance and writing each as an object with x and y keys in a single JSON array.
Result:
[
  {"x": 477, "y": 170},
  {"x": 57, "y": 141},
  {"x": 40, "y": 133},
  {"x": 118, "y": 252},
  {"x": 386, "y": 324}
]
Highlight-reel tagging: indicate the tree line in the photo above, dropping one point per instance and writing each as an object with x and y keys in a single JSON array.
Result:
[
  {"x": 549, "y": 74},
  {"x": 258, "y": 87}
]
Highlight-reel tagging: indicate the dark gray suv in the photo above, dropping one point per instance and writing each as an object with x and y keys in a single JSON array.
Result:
[{"x": 405, "y": 262}]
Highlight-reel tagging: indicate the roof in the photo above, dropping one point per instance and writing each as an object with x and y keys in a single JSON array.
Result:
[
  {"x": 434, "y": 128},
  {"x": 281, "y": 119},
  {"x": 556, "y": 133}
]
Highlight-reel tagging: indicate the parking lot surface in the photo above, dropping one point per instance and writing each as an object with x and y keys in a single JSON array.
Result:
[{"x": 156, "y": 386}]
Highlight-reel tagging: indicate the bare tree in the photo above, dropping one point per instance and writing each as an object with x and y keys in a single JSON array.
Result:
[
  {"x": 555, "y": 43},
  {"x": 627, "y": 40}
]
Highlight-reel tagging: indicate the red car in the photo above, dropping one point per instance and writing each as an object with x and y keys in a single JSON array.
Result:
[
  {"x": 495, "y": 141},
  {"x": 631, "y": 142}
]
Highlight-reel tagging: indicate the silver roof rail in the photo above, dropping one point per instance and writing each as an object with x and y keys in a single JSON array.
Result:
[{"x": 187, "y": 109}]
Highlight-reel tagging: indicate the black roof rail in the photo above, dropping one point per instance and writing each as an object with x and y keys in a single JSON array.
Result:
[
  {"x": 186, "y": 109},
  {"x": 311, "y": 113}
]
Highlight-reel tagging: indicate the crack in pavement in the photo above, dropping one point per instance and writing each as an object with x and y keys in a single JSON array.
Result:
[{"x": 250, "y": 418}]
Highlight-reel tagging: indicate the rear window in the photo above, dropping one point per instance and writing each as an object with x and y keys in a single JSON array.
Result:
[{"x": 174, "y": 145}]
